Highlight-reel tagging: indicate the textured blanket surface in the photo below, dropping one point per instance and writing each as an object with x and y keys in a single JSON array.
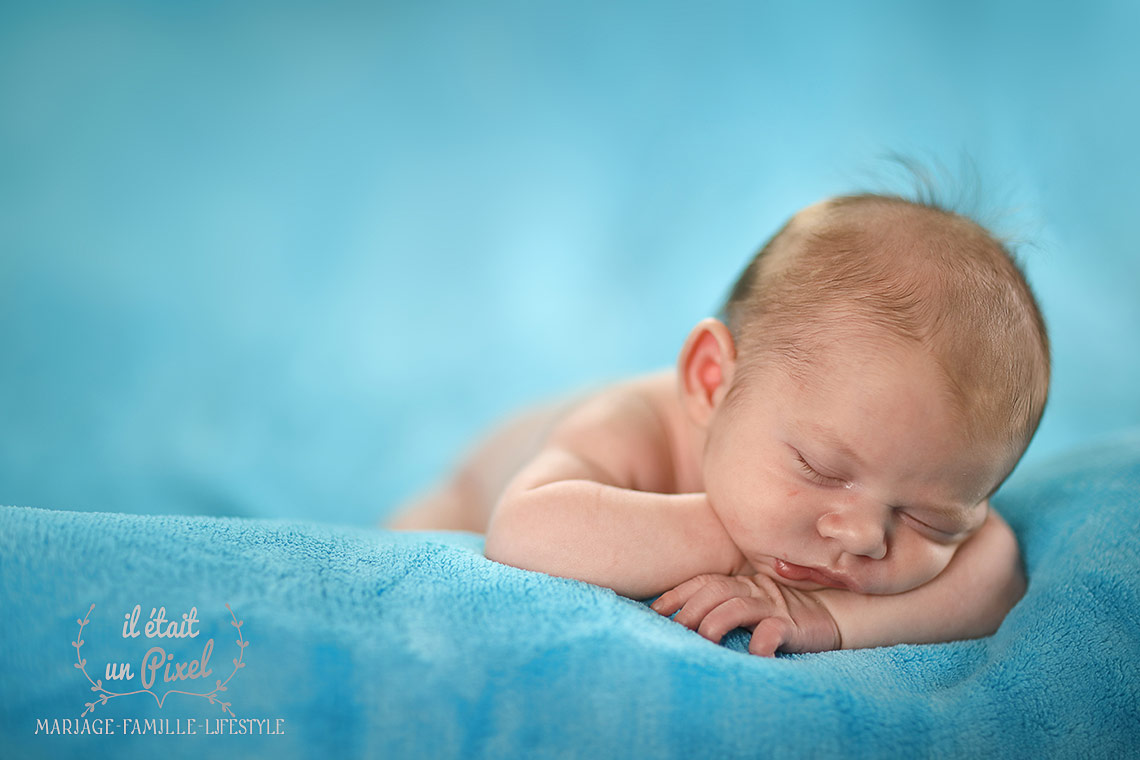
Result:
[{"x": 360, "y": 643}]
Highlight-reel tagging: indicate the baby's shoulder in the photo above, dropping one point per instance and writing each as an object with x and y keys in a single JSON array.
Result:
[{"x": 625, "y": 429}]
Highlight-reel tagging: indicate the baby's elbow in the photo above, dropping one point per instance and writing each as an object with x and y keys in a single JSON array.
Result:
[
  {"x": 537, "y": 529},
  {"x": 510, "y": 536},
  {"x": 498, "y": 542}
]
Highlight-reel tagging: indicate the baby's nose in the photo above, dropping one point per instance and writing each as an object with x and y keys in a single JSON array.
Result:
[{"x": 859, "y": 529}]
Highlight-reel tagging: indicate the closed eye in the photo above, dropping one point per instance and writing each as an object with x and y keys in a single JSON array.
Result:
[
  {"x": 927, "y": 527},
  {"x": 814, "y": 475}
]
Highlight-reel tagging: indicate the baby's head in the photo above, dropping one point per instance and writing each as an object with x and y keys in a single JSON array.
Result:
[
  {"x": 858, "y": 270},
  {"x": 880, "y": 368}
]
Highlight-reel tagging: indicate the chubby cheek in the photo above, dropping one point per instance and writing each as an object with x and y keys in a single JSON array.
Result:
[
  {"x": 914, "y": 561},
  {"x": 742, "y": 513},
  {"x": 764, "y": 513}
]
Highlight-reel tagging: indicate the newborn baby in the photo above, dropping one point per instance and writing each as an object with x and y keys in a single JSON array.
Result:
[{"x": 817, "y": 468}]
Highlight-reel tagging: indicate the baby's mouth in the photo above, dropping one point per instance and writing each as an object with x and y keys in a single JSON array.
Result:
[{"x": 794, "y": 572}]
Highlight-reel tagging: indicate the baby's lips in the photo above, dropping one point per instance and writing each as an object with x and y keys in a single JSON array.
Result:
[{"x": 794, "y": 572}]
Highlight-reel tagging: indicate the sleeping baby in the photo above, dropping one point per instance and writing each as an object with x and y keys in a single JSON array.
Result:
[{"x": 817, "y": 468}]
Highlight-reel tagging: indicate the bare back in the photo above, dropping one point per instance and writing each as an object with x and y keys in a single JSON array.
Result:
[{"x": 630, "y": 435}]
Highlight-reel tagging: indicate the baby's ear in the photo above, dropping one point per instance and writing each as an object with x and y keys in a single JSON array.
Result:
[{"x": 705, "y": 367}]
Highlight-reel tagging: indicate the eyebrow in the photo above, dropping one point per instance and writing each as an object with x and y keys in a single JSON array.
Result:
[{"x": 828, "y": 438}]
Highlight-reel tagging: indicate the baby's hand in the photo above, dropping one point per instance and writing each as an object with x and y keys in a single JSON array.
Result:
[{"x": 779, "y": 617}]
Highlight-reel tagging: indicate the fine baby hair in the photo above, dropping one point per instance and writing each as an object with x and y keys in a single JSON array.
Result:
[{"x": 872, "y": 267}]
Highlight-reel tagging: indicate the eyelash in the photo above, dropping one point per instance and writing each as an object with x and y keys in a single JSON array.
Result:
[
  {"x": 819, "y": 479},
  {"x": 813, "y": 475},
  {"x": 928, "y": 526}
]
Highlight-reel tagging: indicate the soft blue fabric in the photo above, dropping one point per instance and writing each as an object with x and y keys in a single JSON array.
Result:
[{"x": 371, "y": 643}]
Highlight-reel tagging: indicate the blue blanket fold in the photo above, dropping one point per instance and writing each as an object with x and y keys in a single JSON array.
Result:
[{"x": 372, "y": 643}]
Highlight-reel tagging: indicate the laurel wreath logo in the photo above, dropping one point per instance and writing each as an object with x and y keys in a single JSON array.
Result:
[{"x": 106, "y": 696}]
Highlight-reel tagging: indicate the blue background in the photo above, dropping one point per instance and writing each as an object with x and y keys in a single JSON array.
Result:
[{"x": 282, "y": 259}]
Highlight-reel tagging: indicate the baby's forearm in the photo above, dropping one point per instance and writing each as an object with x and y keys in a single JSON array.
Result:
[
  {"x": 969, "y": 599},
  {"x": 637, "y": 543}
]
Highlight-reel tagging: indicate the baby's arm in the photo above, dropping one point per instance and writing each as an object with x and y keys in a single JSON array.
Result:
[
  {"x": 597, "y": 504},
  {"x": 563, "y": 517},
  {"x": 968, "y": 599}
]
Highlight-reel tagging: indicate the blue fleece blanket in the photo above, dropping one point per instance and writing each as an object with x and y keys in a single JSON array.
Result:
[{"x": 320, "y": 641}]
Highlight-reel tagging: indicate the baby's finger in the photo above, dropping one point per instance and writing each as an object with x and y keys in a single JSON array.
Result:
[
  {"x": 675, "y": 599},
  {"x": 738, "y": 612},
  {"x": 770, "y": 634},
  {"x": 667, "y": 603},
  {"x": 708, "y": 597}
]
